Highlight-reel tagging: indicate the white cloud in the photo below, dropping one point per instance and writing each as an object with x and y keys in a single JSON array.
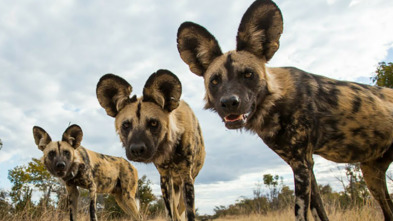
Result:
[
  {"x": 53, "y": 53},
  {"x": 336, "y": 40}
]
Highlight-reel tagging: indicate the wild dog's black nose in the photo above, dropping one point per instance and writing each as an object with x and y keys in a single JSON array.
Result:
[
  {"x": 60, "y": 165},
  {"x": 138, "y": 149},
  {"x": 229, "y": 102}
]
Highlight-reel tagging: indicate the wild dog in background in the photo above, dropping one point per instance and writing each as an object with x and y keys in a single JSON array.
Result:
[
  {"x": 78, "y": 166},
  {"x": 158, "y": 128},
  {"x": 297, "y": 114}
]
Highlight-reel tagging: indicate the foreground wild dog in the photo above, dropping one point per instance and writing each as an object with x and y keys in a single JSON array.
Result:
[
  {"x": 98, "y": 173},
  {"x": 158, "y": 128},
  {"x": 297, "y": 114}
]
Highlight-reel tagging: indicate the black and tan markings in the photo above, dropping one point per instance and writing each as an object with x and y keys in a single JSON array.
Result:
[
  {"x": 297, "y": 114},
  {"x": 158, "y": 128},
  {"x": 78, "y": 166}
]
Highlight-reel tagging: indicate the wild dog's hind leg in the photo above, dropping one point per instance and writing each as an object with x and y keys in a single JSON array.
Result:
[
  {"x": 72, "y": 198},
  {"x": 374, "y": 173},
  {"x": 127, "y": 186},
  {"x": 128, "y": 204},
  {"x": 316, "y": 205}
]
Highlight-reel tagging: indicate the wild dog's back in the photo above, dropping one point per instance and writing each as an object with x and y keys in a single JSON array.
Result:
[
  {"x": 107, "y": 170},
  {"x": 336, "y": 114}
]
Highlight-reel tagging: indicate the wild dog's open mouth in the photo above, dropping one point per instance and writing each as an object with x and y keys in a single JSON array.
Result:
[
  {"x": 234, "y": 121},
  {"x": 233, "y": 118}
]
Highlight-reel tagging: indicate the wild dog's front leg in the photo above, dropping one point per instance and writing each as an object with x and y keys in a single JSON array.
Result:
[
  {"x": 301, "y": 173},
  {"x": 93, "y": 202},
  {"x": 72, "y": 198},
  {"x": 189, "y": 197},
  {"x": 166, "y": 189}
]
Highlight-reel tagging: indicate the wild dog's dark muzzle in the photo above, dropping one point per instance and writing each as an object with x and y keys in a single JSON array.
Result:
[
  {"x": 59, "y": 168},
  {"x": 233, "y": 111},
  {"x": 230, "y": 103},
  {"x": 60, "y": 165},
  {"x": 138, "y": 150},
  {"x": 139, "y": 147}
]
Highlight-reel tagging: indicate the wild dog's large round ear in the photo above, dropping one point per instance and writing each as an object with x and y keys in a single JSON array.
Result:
[
  {"x": 260, "y": 29},
  {"x": 113, "y": 93},
  {"x": 197, "y": 47},
  {"x": 73, "y": 135},
  {"x": 41, "y": 137},
  {"x": 164, "y": 89}
]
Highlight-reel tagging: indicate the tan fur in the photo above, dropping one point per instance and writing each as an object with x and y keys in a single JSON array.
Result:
[
  {"x": 297, "y": 114},
  {"x": 89, "y": 170},
  {"x": 159, "y": 128}
]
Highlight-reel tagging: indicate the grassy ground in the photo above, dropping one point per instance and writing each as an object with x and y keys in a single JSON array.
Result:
[{"x": 363, "y": 214}]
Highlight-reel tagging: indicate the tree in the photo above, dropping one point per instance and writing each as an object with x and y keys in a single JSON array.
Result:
[
  {"x": 20, "y": 192},
  {"x": 286, "y": 197},
  {"x": 157, "y": 208},
  {"x": 33, "y": 176},
  {"x": 330, "y": 198},
  {"x": 220, "y": 211},
  {"x": 4, "y": 205},
  {"x": 384, "y": 75},
  {"x": 145, "y": 193},
  {"x": 1, "y": 144},
  {"x": 43, "y": 180},
  {"x": 272, "y": 182},
  {"x": 355, "y": 188}
]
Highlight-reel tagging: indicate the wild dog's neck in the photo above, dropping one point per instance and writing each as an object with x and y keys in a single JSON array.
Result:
[
  {"x": 172, "y": 138},
  {"x": 267, "y": 99},
  {"x": 71, "y": 174},
  {"x": 77, "y": 165}
]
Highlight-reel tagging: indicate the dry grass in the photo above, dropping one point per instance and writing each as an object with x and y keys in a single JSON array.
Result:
[
  {"x": 363, "y": 214},
  {"x": 63, "y": 216}
]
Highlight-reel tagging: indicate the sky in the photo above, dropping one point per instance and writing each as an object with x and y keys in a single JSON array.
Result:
[{"x": 52, "y": 54}]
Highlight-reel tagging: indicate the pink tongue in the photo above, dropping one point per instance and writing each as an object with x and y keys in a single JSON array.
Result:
[{"x": 231, "y": 118}]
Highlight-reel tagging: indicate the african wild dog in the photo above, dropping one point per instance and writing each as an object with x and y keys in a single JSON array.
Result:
[
  {"x": 78, "y": 166},
  {"x": 158, "y": 128},
  {"x": 297, "y": 114}
]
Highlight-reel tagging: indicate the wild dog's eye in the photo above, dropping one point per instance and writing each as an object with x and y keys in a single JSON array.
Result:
[
  {"x": 67, "y": 154},
  {"x": 153, "y": 123},
  {"x": 51, "y": 154},
  {"x": 126, "y": 125},
  {"x": 248, "y": 74},
  {"x": 215, "y": 80}
]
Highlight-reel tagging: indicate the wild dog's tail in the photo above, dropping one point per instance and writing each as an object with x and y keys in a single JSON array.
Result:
[{"x": 137, "y": 201}]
